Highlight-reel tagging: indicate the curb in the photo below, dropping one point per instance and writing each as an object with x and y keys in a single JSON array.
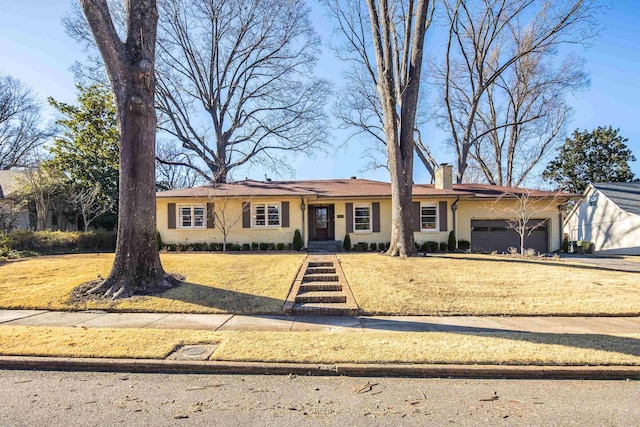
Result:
[{"x": 348, "y": 369}]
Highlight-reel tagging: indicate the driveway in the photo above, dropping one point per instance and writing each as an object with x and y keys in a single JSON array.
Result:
[{"x": 607, "y": 262}]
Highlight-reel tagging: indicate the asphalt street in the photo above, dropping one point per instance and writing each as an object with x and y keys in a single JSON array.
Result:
[{"x": 83, "y": 399}]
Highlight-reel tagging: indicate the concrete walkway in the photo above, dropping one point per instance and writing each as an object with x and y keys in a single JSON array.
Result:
[
  {"x": 611, "y": 262},
  {"x": 228, "y": 322}
]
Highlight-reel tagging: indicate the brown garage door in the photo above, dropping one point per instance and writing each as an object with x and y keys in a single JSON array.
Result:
[{"x": 497, "y": 235}]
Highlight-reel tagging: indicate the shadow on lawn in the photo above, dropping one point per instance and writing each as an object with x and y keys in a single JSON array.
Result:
[
  {"x": 604, "y": 342},
  {"x": 543, "y": 263},
  {"x": 223, "y": 299}
]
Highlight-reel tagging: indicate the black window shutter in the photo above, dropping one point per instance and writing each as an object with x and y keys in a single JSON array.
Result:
[
  {"x": 415, "y": 216},
  {"x": 211, "y": 215},
  {"x": 284, "y": 221},
  {"x": 375, "y": 214},
  {"x": 442, "y": 214},
  {"x": 349, "y": 217},
  {"x": 171, "y": 215},
  {"x": 246, "y": 215}
]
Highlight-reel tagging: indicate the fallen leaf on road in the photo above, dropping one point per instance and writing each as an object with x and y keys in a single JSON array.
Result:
[{"x": 492, "y": 398}]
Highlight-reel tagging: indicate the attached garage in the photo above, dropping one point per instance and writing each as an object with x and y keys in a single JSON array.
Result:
[{"x": 498, "y": 235}]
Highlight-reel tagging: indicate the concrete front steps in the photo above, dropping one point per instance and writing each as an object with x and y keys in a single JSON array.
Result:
[
  {"x": 321, "y": 289},
  {"x": 324, "y": 246}
]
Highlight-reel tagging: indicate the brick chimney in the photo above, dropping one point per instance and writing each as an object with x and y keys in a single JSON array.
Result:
[{"x": 444, "y": 177}]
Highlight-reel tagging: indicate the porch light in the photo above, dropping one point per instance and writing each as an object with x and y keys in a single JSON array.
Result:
[{"x": 302, "y": 205}]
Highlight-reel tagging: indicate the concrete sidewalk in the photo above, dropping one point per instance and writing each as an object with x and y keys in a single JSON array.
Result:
[
  {"x": 229, "y": 322},
  {"x": 361, "y": 324}
]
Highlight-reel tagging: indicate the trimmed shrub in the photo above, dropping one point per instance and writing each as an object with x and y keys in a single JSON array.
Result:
[
  {"x": 264, "y": 246},
  {"x": 289, "y": 246},
  {"x": 346, "y": 244},
  {"x": 451, "y": 243},
  {"x": 373, "y": 247},
  {"x": 246, "y": 247},
  {"x": 280, "y": 246},
  {"x": 297, "y": 240},
  {"x": 255, "y": 246},
  {"x": 61, "y": 242},
  {"x": 171, "y": 247},
  {"x": 361, "y": 246},
  {"x": 464, "y": 245},
  {"x": 565, "y": 244},
  {"x": 159, "y": 240},
  {"x": 272, "y": 246},
  {"x": 381, "y": 247},
  {"x": 443, "y": 246}
]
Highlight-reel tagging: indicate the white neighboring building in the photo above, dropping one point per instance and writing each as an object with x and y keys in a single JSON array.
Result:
[{"x": 609, "y": 217}]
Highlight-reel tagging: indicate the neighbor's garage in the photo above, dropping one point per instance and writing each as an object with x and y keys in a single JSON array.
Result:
[{"x": 498, "y": 235}]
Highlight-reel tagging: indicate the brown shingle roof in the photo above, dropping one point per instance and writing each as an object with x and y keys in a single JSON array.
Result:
[{"x": 347, "y": 188}]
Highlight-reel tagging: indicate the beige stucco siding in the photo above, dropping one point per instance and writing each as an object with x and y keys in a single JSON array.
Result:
[
  {"x": 467, "y": 211},
  {"x": 608, "y": 227},
  {"x": 232, "y": 213},
  {"x": 503, "y": 209}
]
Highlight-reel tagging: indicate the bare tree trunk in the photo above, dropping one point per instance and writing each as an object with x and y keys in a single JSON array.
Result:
[
  {"x": 399, "y": 67},
  {"x": 130, "y": 66}
]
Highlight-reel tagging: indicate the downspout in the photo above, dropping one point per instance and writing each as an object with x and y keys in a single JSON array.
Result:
[
  {"x": 302, "y": 229},
  {"x": 561, "y": 221},
  {"x": 454, "y": 208}
]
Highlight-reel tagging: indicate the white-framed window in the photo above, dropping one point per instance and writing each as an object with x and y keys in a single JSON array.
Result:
[
  {"x": 192, "y": 216},
  {"x": 429, "y": 217},
  {"x": 264, "y": 215},
  {"x": 361, "y": 217}
]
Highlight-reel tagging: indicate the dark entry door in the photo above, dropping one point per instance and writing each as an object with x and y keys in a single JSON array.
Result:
[{"x": 321, "y": 222}]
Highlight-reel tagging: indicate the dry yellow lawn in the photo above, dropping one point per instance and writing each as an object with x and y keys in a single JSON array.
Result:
[
  {"x": 329, "y": 347},
  {"x": 216, "y": 283},
  {"x": 102, "y": 342},
  {"x": 487, "y": 285}
]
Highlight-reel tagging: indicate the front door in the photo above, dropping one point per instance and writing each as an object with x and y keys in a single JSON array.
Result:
[{"x": 321, "y": 215}]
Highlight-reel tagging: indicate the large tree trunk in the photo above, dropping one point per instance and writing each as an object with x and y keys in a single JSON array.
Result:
[
  {"x": 136, "y": 268},
  {"x": 130, "y": 66}
]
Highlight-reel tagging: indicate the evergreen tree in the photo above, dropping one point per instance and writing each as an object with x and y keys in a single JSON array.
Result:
[
  {"x": 590, "y": 157},
  {"x": 86, "y": 148}
]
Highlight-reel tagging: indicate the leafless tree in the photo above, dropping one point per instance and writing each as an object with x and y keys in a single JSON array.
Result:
[
  {"x": 390, "y": 54},
  {"x": 10, "y": 211},
  {"x": 173, "y": 167},
  {"x": 224, "y": 218},
  {"x": 88, "y": 201},
  {"x": 523, "y": 212},
  {"x": 235, "y": 83},
  {"x": 530, "y": 97},
  {"x": 21, "y": 130},
  {"x": 130, "y": 65},
  {"x": 502, "y": 100},
  {"x": 358, "y": 105},
  {"x": 41, "y": 186}
]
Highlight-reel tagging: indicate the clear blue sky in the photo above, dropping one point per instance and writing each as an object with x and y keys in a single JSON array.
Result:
[{"x": 35, "y": 49}]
